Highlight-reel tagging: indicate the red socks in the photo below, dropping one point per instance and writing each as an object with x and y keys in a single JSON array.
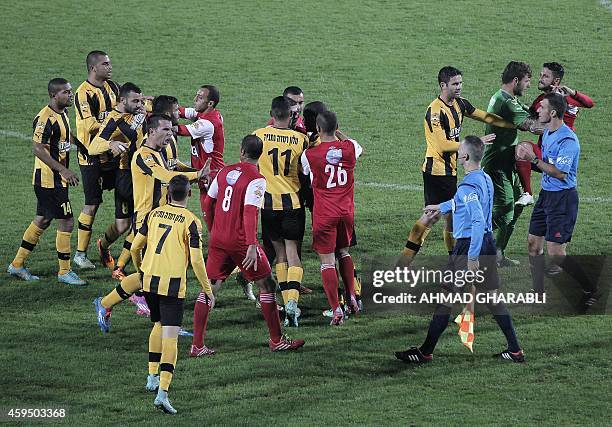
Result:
[
  {"x": 523, "y": 169},
  {"x": 200, "y": 318},
  {"x": 270, "y": 314},
  {"x": 330, "y": 284},
  {"x": 347, "y": 272}
]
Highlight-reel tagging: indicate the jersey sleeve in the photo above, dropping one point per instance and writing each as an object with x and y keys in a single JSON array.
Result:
[
  {"x": 490, "y": 119},
  {"x": 188, "y": 113},
  {"x": 149, "y": 166},
  {"x": 581, "y": 100},
  {"x": 42, "y": 130},
  {"x": 466, "y": 106},
  {"x": 213, "y": 190},
  {"x": 358, "y": 148},
  {"x": 518, "y": 114},
  {"x": 254, "y": 194},
  {"x": 139, "y": 242},
  {"x": 305, "y": 164},
  {"x": 101, "y": 143},
  {"x": 568, "y": 152},
  {"x": 202, "y": 128}
]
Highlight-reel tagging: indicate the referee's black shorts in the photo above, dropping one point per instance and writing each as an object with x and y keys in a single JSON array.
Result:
[
  {"x": 487, "y": 261},
  {"x": 438, "y": 189},
  {"x": 165, "y": 309},
  {"x": 283, "y": 225}
]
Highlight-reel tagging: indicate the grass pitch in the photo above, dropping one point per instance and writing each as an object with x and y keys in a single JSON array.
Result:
[{"x": 375, "y": 64}]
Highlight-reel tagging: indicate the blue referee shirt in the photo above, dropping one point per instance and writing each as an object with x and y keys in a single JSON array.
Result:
[
  {"x": 472, "y": 209},
  {"x": 561, "y": 149}
]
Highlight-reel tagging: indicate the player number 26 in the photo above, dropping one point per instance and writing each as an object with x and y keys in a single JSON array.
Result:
[{"x": 337, "y": 176}]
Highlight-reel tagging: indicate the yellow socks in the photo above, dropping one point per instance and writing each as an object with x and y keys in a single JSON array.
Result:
[
  {"x": 125, "y": 256},
  {"x": 294, "y": 279},
  {"x": 30, "y": 239},
  {"x": 449, "y": 241},
  {"x": 416, "y": 238},
  {"x": 62, "y": 244},
  {"x": 281, "y": 277},
  {"x": 168, "y": 361},
  {"x": 127, "y": 287},
  {"x": 84, "y": 234},
  {"x": 155, "y": 348},
  {"x": 110, "y": 235}
]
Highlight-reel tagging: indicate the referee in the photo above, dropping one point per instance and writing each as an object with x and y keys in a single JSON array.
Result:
[
  {"x": 471, "y": 209},
  {"x": 556, "y": 210}
]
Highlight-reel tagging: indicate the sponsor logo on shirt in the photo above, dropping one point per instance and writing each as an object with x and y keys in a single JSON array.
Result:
[
  {"x": 333, "y": 156},
  {"x": 472, "y": 197},
  {"x": 564, "y": 160},
  {"x": 232, "y": 177}
]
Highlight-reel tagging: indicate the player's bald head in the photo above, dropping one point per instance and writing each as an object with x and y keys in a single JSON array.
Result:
[
  {"x": 473, "y": 147},
  {"x": 251, "y": 147}
]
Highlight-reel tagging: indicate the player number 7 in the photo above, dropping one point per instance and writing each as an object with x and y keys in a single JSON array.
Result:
[{"x": 163, "y": 237}]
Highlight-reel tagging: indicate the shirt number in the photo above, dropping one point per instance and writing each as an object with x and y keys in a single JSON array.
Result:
[
  {"x": 337, "y": 176},
  {"x": 287, "y": 154},
  {"x": 160, "y": 244},
  {"x": 225, "y": 205}
]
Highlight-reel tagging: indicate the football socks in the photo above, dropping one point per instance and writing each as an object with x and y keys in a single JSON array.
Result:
[
  {"x": 127, "y": 287},
  {"x": 125, "y": 255},
  {"x": 155, "y": 348},
  {"x": 416, "y": 238},
  {"x": 281, "y": 278},
  {"x": 330, "y": 284},
  {"x": 537, "y": 264},
  {"x": 449, "y": 241},
  {"x": 84, "y": 234},
  {"x": 62, "y": 244},
  {"x": 270, "y": 314},
  {"x": 168, "y": 362},
  {"x": 200, "y": 319},
  {"x": 28, "y": 243},
  {"x": 294, "y": 279}
]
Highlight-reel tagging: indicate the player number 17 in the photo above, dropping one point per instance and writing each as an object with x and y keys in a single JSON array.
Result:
[{"x": 337, "y": 176}]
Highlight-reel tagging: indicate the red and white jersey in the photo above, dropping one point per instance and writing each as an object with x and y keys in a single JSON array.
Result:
[
  {"x": 207, "y": 138},
  {"x": 234, "y": 187},
  {"x": 331, "y": 166}
]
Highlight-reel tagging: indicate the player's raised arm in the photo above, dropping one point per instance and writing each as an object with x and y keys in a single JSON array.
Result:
[{"x": 490, "y": 119}]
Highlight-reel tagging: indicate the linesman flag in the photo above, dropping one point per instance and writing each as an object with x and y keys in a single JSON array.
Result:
[{"x": 465, "y": 321}]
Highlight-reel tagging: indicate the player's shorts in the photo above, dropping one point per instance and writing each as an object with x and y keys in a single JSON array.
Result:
[
  {"x": 331, "y": 234},
  {"x": 438, "y": 189},
  {"x": 487, "y": 263},
  {"x": 95, "y": 179},
  {"x": 554, "y": 215},
  {"x": 165, "y": 309},
  {"x": 53, "y": 203},
  {"x": 283, "y": 225},
  {"x": 124, "y": 199},
  {"x": 221, "y": 262}
]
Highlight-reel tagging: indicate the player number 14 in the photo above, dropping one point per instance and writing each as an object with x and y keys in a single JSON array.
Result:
[{"x": 337, "y": 176}]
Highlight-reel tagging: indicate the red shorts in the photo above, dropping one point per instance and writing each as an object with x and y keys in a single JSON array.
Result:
[
  {"x": 221, "y": 262},
  {"x": 330, "y": 234}
]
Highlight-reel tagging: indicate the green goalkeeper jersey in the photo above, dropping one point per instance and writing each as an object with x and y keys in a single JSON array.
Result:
[{"x": 500, "y": 154}]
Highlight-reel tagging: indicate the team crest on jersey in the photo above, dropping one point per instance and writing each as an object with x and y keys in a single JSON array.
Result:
[
  {"x": 435, "y": 119},
  {"x": 138, "y": 121},
  {"x": 472, "y": 197},
  {"x": 64, "y": 146},
  {"x": 564, "y": 160},
  {"x": 232, "y": 177},
  {"x": 333, "y": 156},
  {"x": 84, "y": 106}
]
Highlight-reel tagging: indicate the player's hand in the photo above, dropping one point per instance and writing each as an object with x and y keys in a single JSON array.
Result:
[
  {"x": 473, "y": 264},
  {"x": 118, "y": 148},
  {"x": 431, "y": 208},
  {"x": 524, "y": 152},
  {"x": 212, "y": 300},
  {"x": 564, "y": 90},
  {"x": 70, "y": 177},
  {"x": 205, "y": 171},
  {"x": 250, "y": 260},
  {"x": 488, "y": 139}
]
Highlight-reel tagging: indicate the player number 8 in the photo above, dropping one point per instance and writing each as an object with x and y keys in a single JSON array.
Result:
[
  {"x": 227, "y": 199},
  {"x": 338, "y": 173}
]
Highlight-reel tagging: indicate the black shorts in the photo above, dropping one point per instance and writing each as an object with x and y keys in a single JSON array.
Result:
[
  {"x": 487, "y": 262},
  {"x": 554, "y": 215},
  {"x": 53, "y": 203},
  {"x": 124, "y": 199},
  {"x": 438, "y": 189},
  {"x": 164, "y": 309},
  {"x": 96, "y": 179},
  {"x": 283, "y": 225}
]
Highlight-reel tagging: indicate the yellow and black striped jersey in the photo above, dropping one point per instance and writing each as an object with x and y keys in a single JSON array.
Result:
[
  {"x": 52, "y": 130},
  {"x": 92, "y": 105},
  {"x": 442, "y": 128},
  {"x": 150, "y": 172},
  {"x": 279, "y": 164},
  {"x": 123, "y": 127},
  {"x": 173, "y": 237}
]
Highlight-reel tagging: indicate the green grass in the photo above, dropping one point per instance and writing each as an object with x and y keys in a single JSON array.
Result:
[{"x": 375, "y": 64}]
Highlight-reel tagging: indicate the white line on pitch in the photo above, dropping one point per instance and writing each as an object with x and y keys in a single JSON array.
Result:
[
  {"x": 13, "y": 134},
  {"x": 414, "y": 187}
]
